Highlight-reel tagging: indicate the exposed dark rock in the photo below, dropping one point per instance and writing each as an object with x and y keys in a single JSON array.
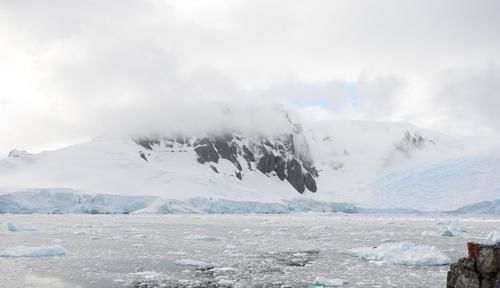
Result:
[
  {"x": 147, "y": 143},
  {"x": 295, "y": 175},
  {"x": 272, "y": 156},
  {"x": 227, "y": 150},
  {"x": 238, "y": 175},
  {"x": 481, "y": 269},
  {"x": 18, "y": 153},
  {"x": 280, "y": 168},
  {"x": 142, "y": 155},
  {"x": 214, "y": 169},
  {"x": 308, "y": 166},
  {"x": 206, "y": 151},
  {"x": 181, "y": 140},
  {"x": 266, "y": 163},
  {"x": 411, "y": 142},
  {"x": 247, "y": 154},
  {"x": 310, "y": 183}
]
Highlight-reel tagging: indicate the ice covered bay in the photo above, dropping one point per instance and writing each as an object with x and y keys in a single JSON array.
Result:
[{"x": 229, "y": 250}]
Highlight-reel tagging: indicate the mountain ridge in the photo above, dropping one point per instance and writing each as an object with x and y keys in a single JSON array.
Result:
[{"x": 369, "y": 164}]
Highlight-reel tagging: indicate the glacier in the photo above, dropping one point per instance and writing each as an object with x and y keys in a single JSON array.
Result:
[{"x": 64, "y": 201}]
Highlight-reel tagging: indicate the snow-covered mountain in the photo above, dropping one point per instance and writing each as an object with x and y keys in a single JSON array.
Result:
[{"x": 370, "y": 164}]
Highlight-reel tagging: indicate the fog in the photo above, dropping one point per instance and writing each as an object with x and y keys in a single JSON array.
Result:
[{"x": 74, "y": 70}]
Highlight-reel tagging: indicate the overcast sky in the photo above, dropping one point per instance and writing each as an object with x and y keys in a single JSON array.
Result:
[{"x": 70, "y": 70}]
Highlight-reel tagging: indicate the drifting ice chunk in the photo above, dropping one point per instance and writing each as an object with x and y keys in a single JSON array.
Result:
[
  {"x": 323, "y": 282},
  {"x": 450, "y": 231},
  {"x": 403, "y": 253},
  {"x": 23, "y": 251},
  {"x": 280, "y": 232},
  {"x": 196, "y": 264},
  {"x": 494, "y": 237},
  {"x": 201, "y": 237},
  {"x": 177, "y": 253},
  {"x": 15, "y": 228},
  {"x": 225, "y": 269},
  {"x": 226, "y": 282},
  {"x": 148, "y": 274}
]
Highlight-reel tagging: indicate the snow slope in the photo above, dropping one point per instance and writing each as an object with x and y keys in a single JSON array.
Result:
[
  {"x": 398, "y": 165},
  {"x": 369, "y": 164}
]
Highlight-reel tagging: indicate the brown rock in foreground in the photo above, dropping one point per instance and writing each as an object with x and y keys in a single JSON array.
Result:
[{"x": 481, "y": 269}]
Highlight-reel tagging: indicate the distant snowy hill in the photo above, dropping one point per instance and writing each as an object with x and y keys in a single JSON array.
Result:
[
  {"x": 484, "y": 207},
  {"x": 369, "y": 164}
]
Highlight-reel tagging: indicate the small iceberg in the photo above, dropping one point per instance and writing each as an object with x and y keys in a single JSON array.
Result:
[
  {"x": 11, "y": 227},
  {"x": 280, "y": 232},
  {"x": 24, "y": 251},
  {"x": 494, "y": 237},
  {"x": 450, "y": 231},
  {"x": 402, "y": 253},
  {"x": 324, "y": 282},
  {"x": 201, "y": 237},
  {"x": 195, "y": 264}
]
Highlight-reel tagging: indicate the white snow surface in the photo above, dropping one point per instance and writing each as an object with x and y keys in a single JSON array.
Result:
[
  {"x": 402, "y": 253},
  {"x": 358, "y": 161},
  {"x": 24, "y": 251}
]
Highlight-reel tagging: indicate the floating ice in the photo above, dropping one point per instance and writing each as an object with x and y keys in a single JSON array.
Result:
[
  {"x": 450, "y": 231},
  {"x": 494, "y": 237},
  {"x": 280, "y": 232},
  {"x": 23, "y": 251},
  {"x": 227, "y": 282},
  {"x": 196, "y": 264},
  {"x": 324, "y": 282},
  {"x": 201, "y": 237},
  {"x": 403, "y": 253},
  {"x": 148, "y": 274},
  {"x": 225, "y": 269},
  {"x": 177, "y": 253},
  {"x": 16, "y": 228}
]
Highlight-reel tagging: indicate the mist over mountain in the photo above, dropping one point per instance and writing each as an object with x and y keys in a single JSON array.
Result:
[{"x": 369, "y": 164}]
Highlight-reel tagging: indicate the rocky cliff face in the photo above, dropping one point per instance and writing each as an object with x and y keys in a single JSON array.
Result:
[
  {"x": 411, "y": 142},
  {"x": 285, "y": 157},
  {"x": 481, "y": 269}
]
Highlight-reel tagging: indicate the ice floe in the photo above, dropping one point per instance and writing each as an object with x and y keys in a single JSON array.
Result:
[
  {"x": 325, "y": 282},
  {"x": 11, "y": 227},
  {"x": 494, "y": 237},
  {"x": 24, "y": 251},
  {"x": 201, "y": 237},
  {"x": 280, "y": 232},
  {"x": 450, "y": 231},
  {"x": 195, "y": 264},
  {"x": 403, "y": 253}
]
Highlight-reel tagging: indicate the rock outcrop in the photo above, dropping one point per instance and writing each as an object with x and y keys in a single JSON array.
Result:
[
  {"x": 276, "y": 157},
  {"x": 481, "y": 269},
  {"x": 411, "y": 142}
]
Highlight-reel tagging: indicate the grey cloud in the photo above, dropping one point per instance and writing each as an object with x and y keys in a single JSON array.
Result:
[
  {"x": 74, "y": 69},
  {"x": 469, "y": 98}
]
